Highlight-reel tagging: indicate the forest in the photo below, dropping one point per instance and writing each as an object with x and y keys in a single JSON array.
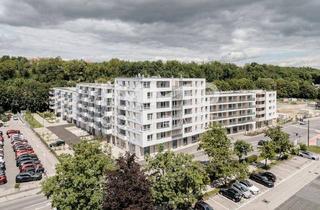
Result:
[{"x": 25, "y": 83}]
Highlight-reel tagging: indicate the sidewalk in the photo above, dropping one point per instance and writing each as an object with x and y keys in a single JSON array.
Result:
[{"x": 12, "y": 194}]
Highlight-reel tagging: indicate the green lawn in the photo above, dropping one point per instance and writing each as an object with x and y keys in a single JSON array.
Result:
[
  {"x": 315, "y": 149},
  {"x": 32, "y": 122}
]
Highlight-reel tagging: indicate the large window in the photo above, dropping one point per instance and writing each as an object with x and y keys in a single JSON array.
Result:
[
  {"x": 146, "y": 84},
  {"x": 163, "y": 124},
  {"x": 163, "y": 104},
  {"x": 163, "y": 84}
]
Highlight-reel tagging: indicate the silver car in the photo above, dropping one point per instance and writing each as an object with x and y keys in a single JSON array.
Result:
[
  {"x": 308, "y": 155},
  {"x": 242, "y": 189}
]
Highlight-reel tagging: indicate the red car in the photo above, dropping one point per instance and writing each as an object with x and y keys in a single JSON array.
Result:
[
  {"x": 3, "y": 179},
  {"x": 11, "y": 132},
  {"x": 23, "y": 152},
  {"x": 24, "y": 167},
  {"x": 1, "y": 138}
]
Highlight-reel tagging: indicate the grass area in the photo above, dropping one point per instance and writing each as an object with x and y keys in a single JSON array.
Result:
[
  {"x": 315, "y": 149},
  {"x": 210, "y": 193},
  {"x": 32, "y": 122}
]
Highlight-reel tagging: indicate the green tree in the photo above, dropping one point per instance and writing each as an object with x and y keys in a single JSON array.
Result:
[
  {"x": 177, "y": 180},
  {"x": 281, "y": 140},
  {"x": 267, "y": 151},
  {"x": 242, "y": 148},
  {"x": 216, "y": 143},
  {"x": 78, "y": 180},
  {"x": 127, "y": 187}
]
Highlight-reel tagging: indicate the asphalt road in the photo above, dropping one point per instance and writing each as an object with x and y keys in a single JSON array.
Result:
[
  {"x": 32, "y": 202},
  {"x": 308, "y": 198}
]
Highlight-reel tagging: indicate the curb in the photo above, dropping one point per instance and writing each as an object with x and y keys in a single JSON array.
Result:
[{"x": 2, "y": 197}]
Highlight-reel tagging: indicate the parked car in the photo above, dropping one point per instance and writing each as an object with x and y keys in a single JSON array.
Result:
[
  {"x": 253, "y": 189},
  {"x": 309, "y": 155},
  {"x": 262, "y": 180},
  {"x": 33, "y": 169},
  {"x": 23, "y": 152},
  {"x": 27, "y": 177},
  {"x": 1, "y": 137},
  {"x": 11, "y": 132},
  {"x": 201, "y": 205},
  {"x": 3, "y": 166},
  {"x": 34, "y": 156},
  {"x": 3, "y": 179},
  {"x": 242, "y": 190},
  {"x": 26, "y": 160},
  {"x": 270, "y": 176},
  {"x": 26, "y": 165},
  {"x": 57, "y": 143},
  {"x": 231, "y": 193}
]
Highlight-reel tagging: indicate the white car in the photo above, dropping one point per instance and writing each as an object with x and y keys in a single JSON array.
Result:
[
  {"x": 308, "y": 155},
  {"x": 242, "y": 189},
  {"x": 253, "y": 189}
]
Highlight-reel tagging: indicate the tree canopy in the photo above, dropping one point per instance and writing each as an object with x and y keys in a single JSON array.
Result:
[
  {"x": 127, "y": 187},
  {"x": 17, "y": 73},
  {"x": 78, "y": 180},
  {"x": 177, "y": 180}
]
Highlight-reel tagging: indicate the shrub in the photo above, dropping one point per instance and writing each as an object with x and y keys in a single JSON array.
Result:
[
  {"x": 303, "y": 147},
  {"x": 251, "y": 159},
  {"x": 17, "y": 185}
]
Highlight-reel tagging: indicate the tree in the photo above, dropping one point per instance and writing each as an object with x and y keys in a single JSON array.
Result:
[
  {"x": 267, "y": 151},
  {"x": 242, "y": 148},
  {"x": 177, "y": 180},
  {"x": 216, "y": 143},
  {"x": 127, "y": 187},
  {"x": 281, "y": 140},
  {"x": 78, "y": 180}
]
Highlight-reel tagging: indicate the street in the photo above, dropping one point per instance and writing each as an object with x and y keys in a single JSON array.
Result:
[{"x": 31, "y": 202}]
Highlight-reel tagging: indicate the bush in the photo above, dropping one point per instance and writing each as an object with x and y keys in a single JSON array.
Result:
[
  {"x": 17, "y": 185},
  {"x": 32, "y": 122},
  {"x": 285, "y": 157},
  {"x": 294, "y": 151},
  {"x": 251, "y": 159},
  {"x": 303, "y": 147}
]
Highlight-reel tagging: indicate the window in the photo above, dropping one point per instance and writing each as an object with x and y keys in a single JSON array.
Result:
[
  {"x": 174, "y": 144},
  {"x": 146, "y": 127},
  {"x": 149, "y": 95},
  {"x": 163, "y": 124},
  {"x": 163, "y": 115},
  {"x": 162, "y": 135},
  {"x": 146, "y": 106},
  {"x": 188, "y": 129},
  {"x": 187, "y": 111},
  {"x": 185, "y": 141},
  {"x": 146, "y": 84},
  {"x": 163, "y": 84},
  {"x": 149, "y": 137},
  {"x": 149, "y": 116},
  {"x": 163, "y": 104}
]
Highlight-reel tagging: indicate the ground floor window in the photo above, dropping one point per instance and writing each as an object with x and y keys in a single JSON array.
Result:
[{"x": 146, "y": 150}]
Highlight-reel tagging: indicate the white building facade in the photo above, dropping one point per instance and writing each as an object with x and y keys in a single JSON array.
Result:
[{"x": 140, "y": 114}]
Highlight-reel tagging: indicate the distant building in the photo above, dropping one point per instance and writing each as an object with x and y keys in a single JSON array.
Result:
[{"x": 138, "y": 114}]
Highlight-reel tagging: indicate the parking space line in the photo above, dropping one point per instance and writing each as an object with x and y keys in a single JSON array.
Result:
[
  {"x": 227, "y": 199},
  {"x": 218, "y": 203},
  {"x": 276, "y": 184}
]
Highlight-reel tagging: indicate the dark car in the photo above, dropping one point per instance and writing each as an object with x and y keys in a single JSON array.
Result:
[
  {"x": 270, "y": 176},
  {"x": 231, "y": 193},
  {"x": 262, "y": 180},
  {"x": 34, "y": 156},
  {"x": 27, "y": 177},
  {"x": 21, "y": 161},
  {"x": 2, "y": 166},
  {"x": 201, "y": 205},
  {"x": 57, "y": 143},
  {"x": 1, "y": 133}
]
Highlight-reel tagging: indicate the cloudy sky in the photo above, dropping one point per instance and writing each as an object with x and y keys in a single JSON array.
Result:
[{"x": 284, "y": 32}]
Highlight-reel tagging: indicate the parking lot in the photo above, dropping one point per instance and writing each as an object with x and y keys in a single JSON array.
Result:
[
  {"x": 283, "y": 171},
  {"x": 47, "y": 159}
]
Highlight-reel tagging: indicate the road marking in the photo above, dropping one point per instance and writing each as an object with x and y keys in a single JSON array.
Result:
[
  {"x": 276, "y": 184},
  {"x": 218, "y": 203}
]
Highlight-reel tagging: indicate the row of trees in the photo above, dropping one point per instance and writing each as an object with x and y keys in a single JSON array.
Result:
[
  {"x": 50, "y": 72},
  {"x": 92, "y": 180}
]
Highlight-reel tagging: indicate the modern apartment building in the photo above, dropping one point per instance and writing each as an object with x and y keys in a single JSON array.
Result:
[{"x": 138, "y": 114}]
